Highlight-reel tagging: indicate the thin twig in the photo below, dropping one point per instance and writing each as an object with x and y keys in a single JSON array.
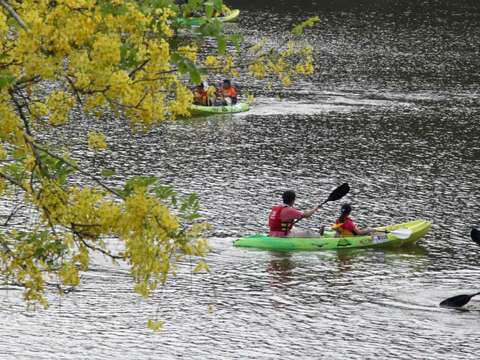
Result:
[
  {"x": 75, "y": 90},
  {"x": 75, "y": 167},
  {"x": 140, "y": 67},
  {"x": 14, "y": 14},
  {"x": 95, "y": 248}
]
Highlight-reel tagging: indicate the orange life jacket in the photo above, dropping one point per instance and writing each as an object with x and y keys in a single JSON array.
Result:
[
  {"x": 201, "y": 96},
  {"x": 230, "y": 92},
  {"x": 338, "y": 226}
]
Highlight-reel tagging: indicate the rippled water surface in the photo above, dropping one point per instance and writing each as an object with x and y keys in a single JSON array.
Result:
[{"x": 394, "y": 110}]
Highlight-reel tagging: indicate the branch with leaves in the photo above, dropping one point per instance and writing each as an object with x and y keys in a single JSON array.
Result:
[{"x": 103, "y": 56}]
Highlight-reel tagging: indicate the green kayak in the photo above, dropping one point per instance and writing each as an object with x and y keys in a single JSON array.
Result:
[
  {"x": 227, "y": 109},
  {"x": 197, "y": 21},
  {"x": 416, "y": 229}
]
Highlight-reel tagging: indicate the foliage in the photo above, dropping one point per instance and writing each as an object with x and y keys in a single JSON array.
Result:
[{"x": 130, "y": 58}]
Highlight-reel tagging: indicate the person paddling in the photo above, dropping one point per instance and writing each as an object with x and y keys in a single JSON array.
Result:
[
  {"x": 228, "y": 93},
  {"x": 200, "y": 95},
  {"x": 345, "y": 226},
  {"x": 283, "y": 216}
]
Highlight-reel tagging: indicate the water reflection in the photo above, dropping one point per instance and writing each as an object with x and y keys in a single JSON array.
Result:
[{"x": 281, "y": 270}]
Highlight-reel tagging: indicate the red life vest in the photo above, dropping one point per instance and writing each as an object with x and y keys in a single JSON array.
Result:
[{"x": 275, "y": 222}]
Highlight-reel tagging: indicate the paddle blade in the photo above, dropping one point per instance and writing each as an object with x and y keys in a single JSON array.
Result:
[
  {"x": 401, "y": 233},
  {"x": 456, "y": 301},
  {"x": 338, "y": 193},
  {"x": 475, "y": 235}
]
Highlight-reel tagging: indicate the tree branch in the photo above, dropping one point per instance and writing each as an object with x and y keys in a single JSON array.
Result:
[
  {"x": 75, "y": 167},
  {"x": 13, "y": 13},
  {"x": 13, "y": 181},
  {"x": 94, "y": 248},
  {"x": 140, "y": 67},
  {"x": 75, "y": 90}
]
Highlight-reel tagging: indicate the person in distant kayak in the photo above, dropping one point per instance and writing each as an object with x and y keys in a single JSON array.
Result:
[
  {"x": 200, "y": 95},
  {"x": 228, "y": 93},
  {"x": 344, "y": 225},
  {"x": 283, "y": 216}
]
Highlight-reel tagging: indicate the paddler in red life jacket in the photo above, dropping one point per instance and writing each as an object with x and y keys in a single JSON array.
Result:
[
  {"x": 283, "y": 216},
  {"x": 344, "y": 225},
  {"x": 228, "y": 93}
]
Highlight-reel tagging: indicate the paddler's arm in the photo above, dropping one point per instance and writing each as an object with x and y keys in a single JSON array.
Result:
[
  {"x": 308, "y": 213},
  {"x": 359, "y": 231}
]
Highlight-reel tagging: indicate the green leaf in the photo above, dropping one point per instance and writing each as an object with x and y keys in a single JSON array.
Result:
[
  {"x": 208, "y": 9},
  {"x": 236, "y": 40},
  {"x": 222, "y": 44},
  {"x": 300, "y": 28},
  {"x": 217, "y": 5},
  {"x": 128, "y": 56},
  {"x": 108, "y": 172},
  {"x": 165, "y": 192},
  {"x": 195, "y": 76},
  {"x": 6, "y": 79},
  {"x": 212, "y": 28},
  {"x": 191, "y": 6},
  {"x": 138, "y": 182},
  {"x": 189, "y": 207},
  {"x": 185, "y": 65},
  {"x": 107, "y": 8},
  {"x": 201, "y": 266}
]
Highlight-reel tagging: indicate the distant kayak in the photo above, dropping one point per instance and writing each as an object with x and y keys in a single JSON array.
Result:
[
  {"x": 197, "y": 21},
  {"x": 329, "y": 242},
  {"x": 227, "y": 109}
]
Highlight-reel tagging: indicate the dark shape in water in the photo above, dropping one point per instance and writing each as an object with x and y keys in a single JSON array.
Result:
[
  {"x": 475, "y": 235},
  {"x": 457, "y": 301}
]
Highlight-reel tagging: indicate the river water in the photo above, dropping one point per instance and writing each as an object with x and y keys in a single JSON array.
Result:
[{"x": 393, "y": 109}]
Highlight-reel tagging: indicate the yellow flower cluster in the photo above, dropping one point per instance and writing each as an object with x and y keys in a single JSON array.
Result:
[
  {"x": 211, "y": 61},
  {"x": 189, "y": 52},
  {"x": 60, "y": 104},
  {"x": 97, "y": 141},
  {"x": 38, "y": 109},
  {"x": 69, "y": 274},
  {"x": 258, "y": 69},
  {"x": 3, "y": 24},
  {"x": 106, "y": 51},
  {"x": 183, "y": 99},
  {"x": 165, "y": 14},
  {"x": 3, "y": 186},
  {"x": 10, "y": 123}
]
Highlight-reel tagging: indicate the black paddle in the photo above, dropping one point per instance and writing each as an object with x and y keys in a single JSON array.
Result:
[
  {"x": 475, "y": 235},
  {"x": 336, "y": 194},
  {"x": 457, "y": 301},
  {"x": 460, "y": 300}
]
